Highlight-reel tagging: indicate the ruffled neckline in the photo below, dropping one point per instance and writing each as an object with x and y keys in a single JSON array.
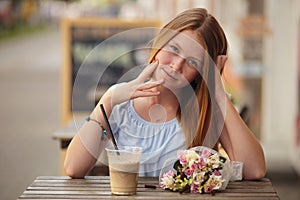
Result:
[{"x": 142, "y": 121}]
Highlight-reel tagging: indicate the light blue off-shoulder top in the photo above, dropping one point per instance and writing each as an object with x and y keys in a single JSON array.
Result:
[{"x": 160, "y": 141}]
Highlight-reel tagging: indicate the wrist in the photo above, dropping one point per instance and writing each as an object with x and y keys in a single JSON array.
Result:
[{"x": 118, "y": 93}]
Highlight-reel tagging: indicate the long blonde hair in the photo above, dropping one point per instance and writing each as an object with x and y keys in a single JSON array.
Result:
[{"x": 212, "y": 38}]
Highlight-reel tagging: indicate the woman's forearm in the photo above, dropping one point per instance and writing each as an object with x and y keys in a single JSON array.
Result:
[
  {"x": 84, "y": 149},
  {"x": 241, "y": 144},
  {"x": 86, "y": 146},
  {"x": 89, "y": 142},
  {"x": 78, "y": 160}
]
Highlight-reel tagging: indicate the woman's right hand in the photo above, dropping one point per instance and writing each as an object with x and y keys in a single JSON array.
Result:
[{"x": 142, "y": 86}]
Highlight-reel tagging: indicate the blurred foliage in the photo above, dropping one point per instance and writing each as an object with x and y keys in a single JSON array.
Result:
[
  {"x": 18, "y": 17},
  {"x": 20, "y": 29}
]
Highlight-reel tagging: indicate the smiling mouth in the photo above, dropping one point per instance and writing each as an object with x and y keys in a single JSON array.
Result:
[{"x": 169, "y": 74}]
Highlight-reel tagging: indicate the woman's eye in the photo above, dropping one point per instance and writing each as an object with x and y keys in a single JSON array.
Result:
[
  {"x": 193, "y": 63},
  {"x": 174, "y": 49}
]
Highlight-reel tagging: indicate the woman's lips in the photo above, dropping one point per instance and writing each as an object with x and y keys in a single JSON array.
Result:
[{"x": 169, "y": 73}]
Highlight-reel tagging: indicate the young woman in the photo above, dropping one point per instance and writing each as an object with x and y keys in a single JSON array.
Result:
[{"x": 177, "y": 102}]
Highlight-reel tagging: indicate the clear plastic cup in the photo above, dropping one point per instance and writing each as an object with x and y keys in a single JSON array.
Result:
[{"x": 123, "y": 169}]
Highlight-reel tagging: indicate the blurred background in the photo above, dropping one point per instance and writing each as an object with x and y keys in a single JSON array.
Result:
[{"x": 262, "y": 74}]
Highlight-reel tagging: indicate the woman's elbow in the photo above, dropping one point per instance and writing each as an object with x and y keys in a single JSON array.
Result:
[
  {"x": 259, "y": 174},
  {"x": 72, "y": 171},
  {"x": 256, "y": 174}
]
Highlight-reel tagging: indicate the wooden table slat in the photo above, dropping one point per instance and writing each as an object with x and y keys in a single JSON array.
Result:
[
  {"x": 98, "y": 187},
  {"x": 44, "y": 197},
  {"x": 170, "y": 197},
  {"x": 140, "y": 189},
  {"x": 144, "y": 192}
]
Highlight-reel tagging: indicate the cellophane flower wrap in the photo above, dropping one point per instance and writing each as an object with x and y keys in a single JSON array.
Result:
[{"x": 196, "y": 170}]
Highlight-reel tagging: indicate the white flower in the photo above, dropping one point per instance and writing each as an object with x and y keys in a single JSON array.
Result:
[
  {"x": 198, "y": 177},
  {"x": 167, "y": 181},
  {"x": 191, "y": 156},
  {"x": 215, "y": 182}
]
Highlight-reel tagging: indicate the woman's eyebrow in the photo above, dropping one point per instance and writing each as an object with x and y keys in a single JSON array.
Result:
[
  {"x": 179, "y": 47},
  {"x": 182, "y": 50}
]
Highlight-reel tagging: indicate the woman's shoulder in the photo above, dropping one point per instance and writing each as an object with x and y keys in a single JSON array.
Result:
[{"x": 121, "y": 106}]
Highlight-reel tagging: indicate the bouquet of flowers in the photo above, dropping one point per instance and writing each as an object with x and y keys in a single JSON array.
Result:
[{"x": 196, "y": 170}]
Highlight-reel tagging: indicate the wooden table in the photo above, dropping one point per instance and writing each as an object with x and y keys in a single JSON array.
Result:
[{"x": 98, "y": 187}]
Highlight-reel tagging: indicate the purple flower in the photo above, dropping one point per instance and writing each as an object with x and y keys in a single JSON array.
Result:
[
  {"x": 208, "y": 189},
  {"x": 169, "y": 173},
  {"x": 217, "y": 173},
  {"x": 195, "y": 188},
  {"x": 188, "y": 172},
  {"x": 182, "y": 160},
  {"x": 202, "y": 162},
  {"x": 205, "y": 153},
  {"x": 194, "y": 166}
]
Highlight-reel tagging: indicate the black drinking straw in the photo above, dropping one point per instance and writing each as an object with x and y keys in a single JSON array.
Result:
[{"x": 109, "y": 128}]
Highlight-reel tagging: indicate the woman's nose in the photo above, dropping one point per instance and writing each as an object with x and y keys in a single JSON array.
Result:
[{"x": 177, "y": 63}]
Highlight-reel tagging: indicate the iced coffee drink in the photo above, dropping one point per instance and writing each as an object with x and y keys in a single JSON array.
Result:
[
  {"x": 123, "y": 175},
  {"x": 123, "y": 169}
]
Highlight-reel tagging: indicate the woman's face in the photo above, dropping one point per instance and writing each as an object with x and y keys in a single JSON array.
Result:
[{"x": 180, "y": 60}]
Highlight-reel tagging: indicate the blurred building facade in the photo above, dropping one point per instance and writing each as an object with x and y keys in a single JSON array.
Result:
[{"x": 280, "y": 92}]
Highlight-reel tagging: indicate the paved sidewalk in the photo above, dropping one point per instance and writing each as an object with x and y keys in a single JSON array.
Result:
[{"x": 29, "y": 110}]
